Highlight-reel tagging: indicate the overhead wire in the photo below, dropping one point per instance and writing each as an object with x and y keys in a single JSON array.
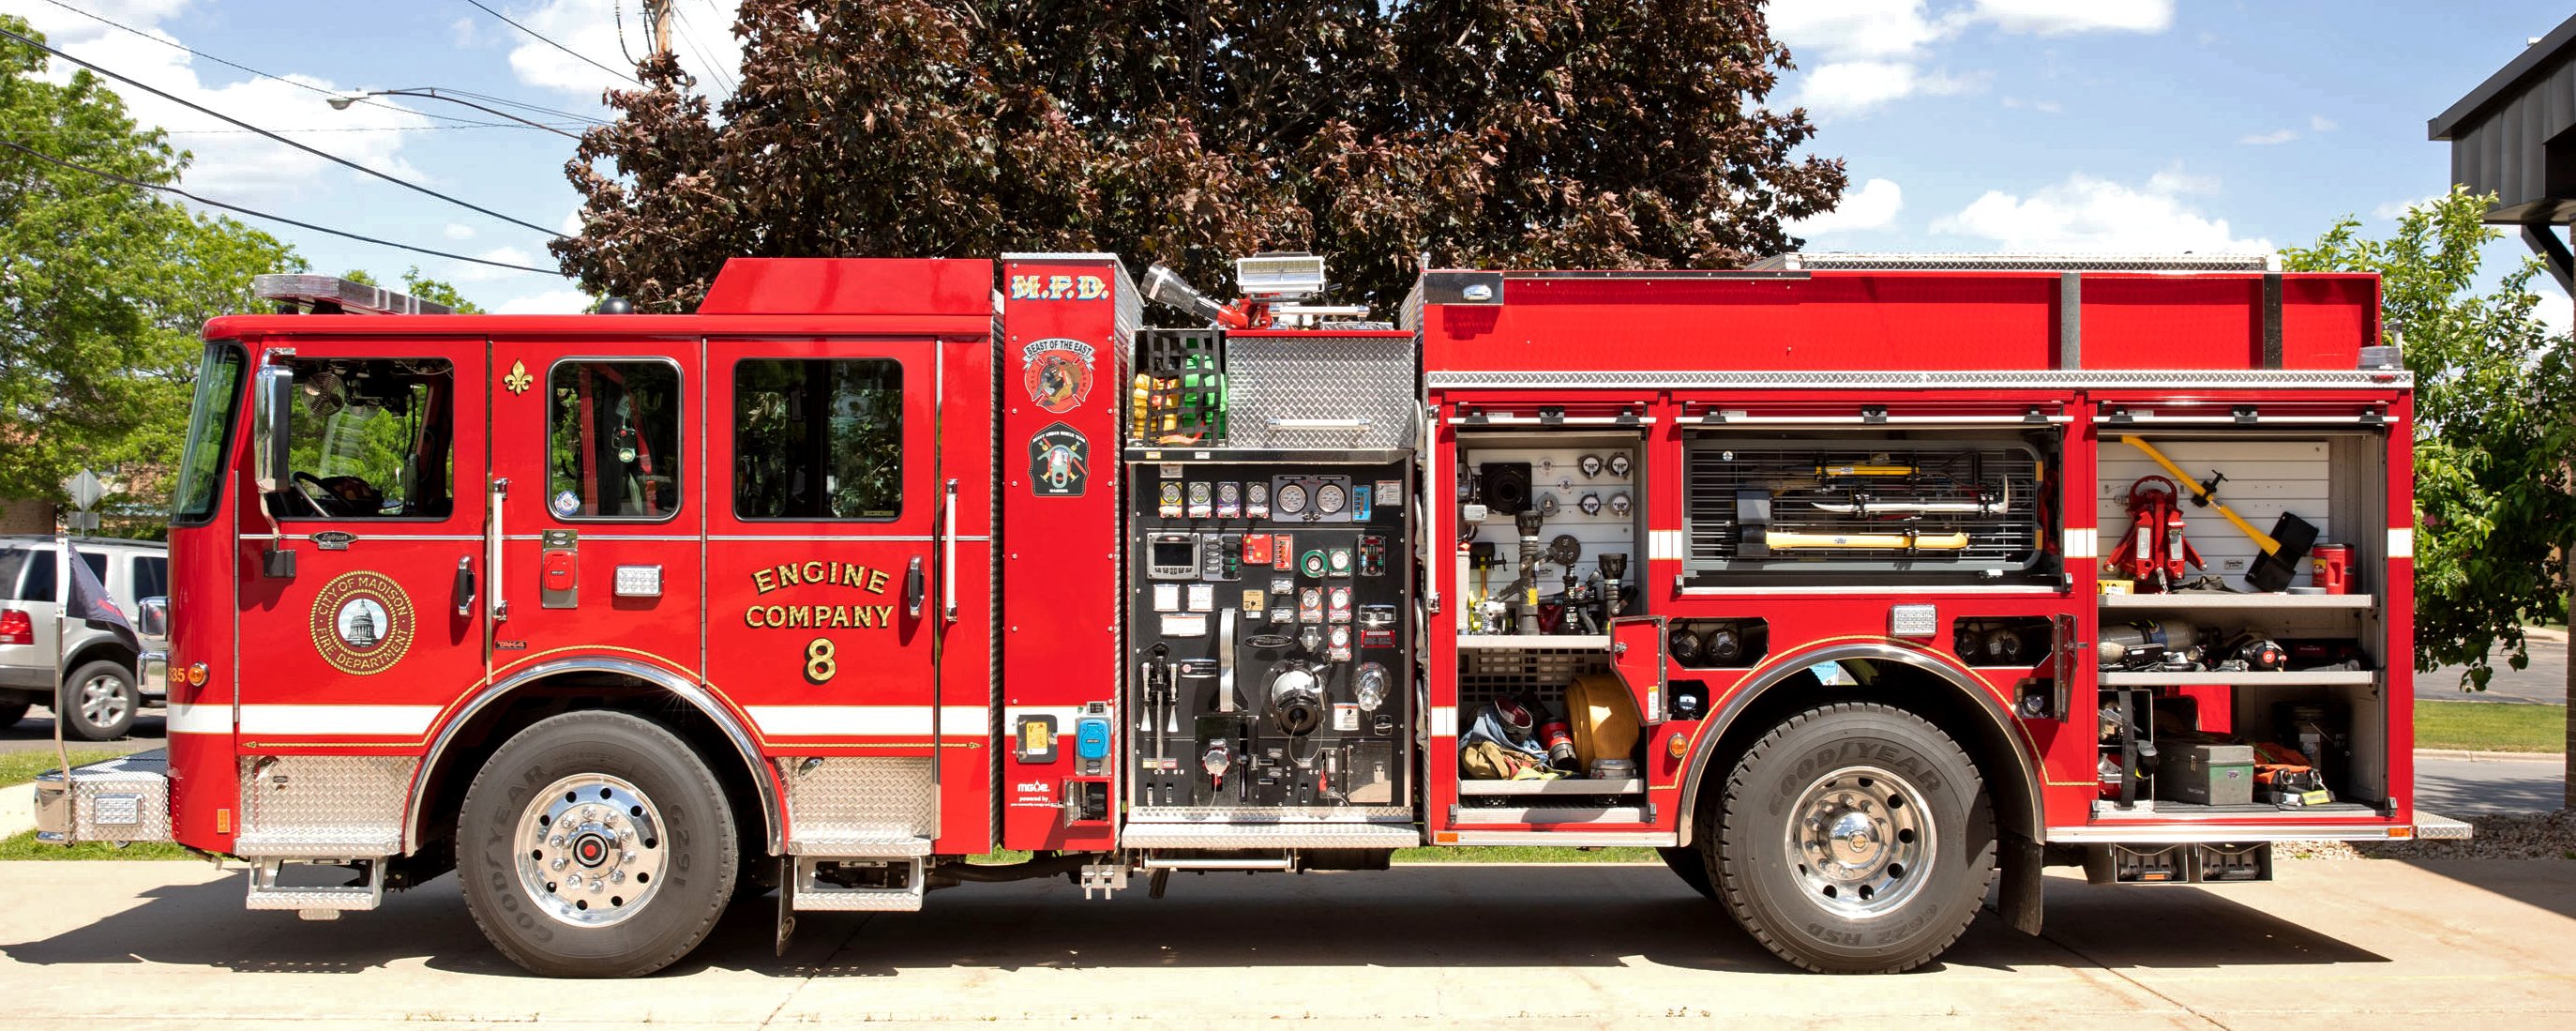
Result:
[
  {"x": 688, "y": 38},
  {"x": 325, "y": 155},
  {"x": 542, "y": 37},
  {"x": 254, "y": 213},
  {"x": 194, "y": 52}
]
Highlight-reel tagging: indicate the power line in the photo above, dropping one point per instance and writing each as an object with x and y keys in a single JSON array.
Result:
[
  {"x": 628, "y": 76},
  {"x": 524, "y": 105},
  {"x": 236, "y": 208},
  {"x": 688, "y": 38},
  {"x": 194, "y": 52},
  {"x": 318, "y": 128},
  {"x": 326, "y": 155}
]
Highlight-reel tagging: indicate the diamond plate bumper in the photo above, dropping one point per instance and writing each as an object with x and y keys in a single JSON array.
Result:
[
  {"x": 2432, "y": 827},
  {"x": 122, "y": 799}
]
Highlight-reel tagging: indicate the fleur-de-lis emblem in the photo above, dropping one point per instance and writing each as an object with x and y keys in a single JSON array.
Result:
[{"x": 518, "y": 379}]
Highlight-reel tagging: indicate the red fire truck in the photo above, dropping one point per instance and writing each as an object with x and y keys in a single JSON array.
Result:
[{"x": 1853, "y": 586}]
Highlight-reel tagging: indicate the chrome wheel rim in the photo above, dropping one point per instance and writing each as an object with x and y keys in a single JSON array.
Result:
[
  {"x": 1861, "y": 841},
  {"x": 103, "y": 701},
  {"x": 591, "y": 852}
]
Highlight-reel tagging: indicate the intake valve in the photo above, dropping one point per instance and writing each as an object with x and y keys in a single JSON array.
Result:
[
  {"x": 1297, "y": 699},
  {"x": 1218, "y": 758}
]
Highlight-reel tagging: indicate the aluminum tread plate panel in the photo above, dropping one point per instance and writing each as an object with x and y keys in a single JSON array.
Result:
[
  {"x": 324, "y": 805},
  {"x": 862, "y": 799},
  {"x": 858, "y": 847},
  {"x": 856, "y": 900},
  {"x": 1269, "y": 835},
  {"x": 1298, "y": 379}
]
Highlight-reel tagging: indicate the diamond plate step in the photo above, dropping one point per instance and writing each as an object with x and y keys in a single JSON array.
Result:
[
  {"x": 322, "y": 903},
  {"x": 805, "y": 893},
  {"x": 886, "y": 846},
  {"x": 1270, "y": 835},
  {"x": 2431, "y": 827}
]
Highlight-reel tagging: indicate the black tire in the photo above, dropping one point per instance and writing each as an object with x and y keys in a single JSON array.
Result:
[
  {"x": 690, "y": 824},
  {"x": 99, "y": 701},
  {"x": 1880, "y": 785},
  {"x": 1691, "y": 867},
  {"x": 12, "y": 712}
]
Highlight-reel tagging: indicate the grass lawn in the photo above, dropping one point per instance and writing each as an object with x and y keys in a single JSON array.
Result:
[
  {"x": 2491, "y": 726},
  {"x": 25, "y": 846},
  {"x": 21, "y": 767}
]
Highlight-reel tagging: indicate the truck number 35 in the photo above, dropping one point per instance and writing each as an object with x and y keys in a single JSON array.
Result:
[{"x": 819, "y": 663}]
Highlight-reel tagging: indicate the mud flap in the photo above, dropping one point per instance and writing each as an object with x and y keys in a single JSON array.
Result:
[
  {"x": 786, "y": 902},
  {"x": 2023, "y": 893}
]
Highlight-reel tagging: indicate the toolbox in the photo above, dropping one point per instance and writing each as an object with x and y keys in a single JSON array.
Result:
[{"x": 2206, "y": 774}]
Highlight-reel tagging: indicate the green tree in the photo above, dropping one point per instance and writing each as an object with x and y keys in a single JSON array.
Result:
[
  {"x": 2495, "y": 500},
  {"x": 1616, "y": 133},
  {"x": 435, "y": 291},
  {"x": 103, "y": 287}
]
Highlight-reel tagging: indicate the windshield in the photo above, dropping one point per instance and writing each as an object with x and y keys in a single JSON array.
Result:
[{"x": 210, "y": 424}]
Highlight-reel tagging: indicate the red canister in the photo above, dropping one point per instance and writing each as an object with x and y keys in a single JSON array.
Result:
[{"x": 2332, "y": 567}]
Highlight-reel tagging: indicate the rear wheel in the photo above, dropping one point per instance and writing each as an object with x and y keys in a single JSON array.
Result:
[
  {"x": 596, "y": 844},
  {"x": 99, "y": 701},
  {"x": 1687, "y": 864},
  {"x": 1854, "y": 838}
]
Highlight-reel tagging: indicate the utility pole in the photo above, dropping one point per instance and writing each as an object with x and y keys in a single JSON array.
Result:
[{"x": 660, "y": 12}]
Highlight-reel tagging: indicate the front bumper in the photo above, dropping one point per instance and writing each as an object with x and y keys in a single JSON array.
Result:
[{"x": 125, "y": 799}]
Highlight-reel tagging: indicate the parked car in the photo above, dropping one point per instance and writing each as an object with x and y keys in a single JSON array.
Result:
[{"x": 102, "y": 688}]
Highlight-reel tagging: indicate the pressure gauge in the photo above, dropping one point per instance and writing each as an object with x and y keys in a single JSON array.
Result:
[
  {"x": 1590, "y": 464},
  {"x": 1340, "y": 603},
  {"x": 1340, "y": 560},
  {"x": 1229, "y": 493},
  {"x": 1330, "y": 498},
  {"x": 1256, "y": 500},
  {"x": 1340, "y": 648},
  {"x": 1590, "y": 503},
  {"x": 1619, "y": 464},
  {"x": 1292, "y": 499},
  {"x": 1199, "y": 492},
  {"x": 1547, "y": 506},
  {"x": 1619, "y": 504}
]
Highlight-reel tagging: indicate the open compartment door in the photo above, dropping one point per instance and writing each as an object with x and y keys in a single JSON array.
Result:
[{"x": 1637, "y": 656}]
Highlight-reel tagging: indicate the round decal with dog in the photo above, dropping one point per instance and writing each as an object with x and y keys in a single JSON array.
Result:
[
  {"x": 1057, "y": 373},
  {"x": 362, "y": 623}
]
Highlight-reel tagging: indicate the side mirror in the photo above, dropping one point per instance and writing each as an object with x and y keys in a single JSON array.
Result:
[
  {"x": 152, "y": 617},
  {"x": 270, "y": 400}
]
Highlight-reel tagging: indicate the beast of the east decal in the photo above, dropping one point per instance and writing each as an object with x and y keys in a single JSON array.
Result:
[
  {"x": 362, "y": 622},
  {"x": 1057, "y": 373}
]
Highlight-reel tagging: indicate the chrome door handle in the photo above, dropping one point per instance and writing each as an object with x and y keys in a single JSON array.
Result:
[
  {"x": 493, "y": 536},
  {"x": 948, "y": 555},
  {"x": 912, "y": 587},
  {"x": 464, "y": 591}
]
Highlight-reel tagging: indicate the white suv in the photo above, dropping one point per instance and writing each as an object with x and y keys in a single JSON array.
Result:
[{"x": 102, "y": 681}]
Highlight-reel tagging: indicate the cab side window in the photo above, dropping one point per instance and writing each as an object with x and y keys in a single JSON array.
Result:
[
  {"x": 613, "y": 440},
  {"x": 371, "y": 439},
  {"x": 818, "y": 440}
]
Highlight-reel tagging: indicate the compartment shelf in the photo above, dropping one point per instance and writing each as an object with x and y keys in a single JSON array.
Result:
[
  {"x": 2216, "y": 602},
  {"x": 1599, "y": 641},
  {"x": 2245, "y": 678},
  {"x": 1561, "y": 786}
]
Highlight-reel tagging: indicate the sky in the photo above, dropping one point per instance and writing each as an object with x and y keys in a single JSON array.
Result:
[{"x": 2139, "y": 126}]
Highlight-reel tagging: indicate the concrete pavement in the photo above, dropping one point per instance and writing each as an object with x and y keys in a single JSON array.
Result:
[
  {"x": 2543, "y": 682},
  {"x": 2368, "y": 943},
  {"x": 2459, "y": 783}
]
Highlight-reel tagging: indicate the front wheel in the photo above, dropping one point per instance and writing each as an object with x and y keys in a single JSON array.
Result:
[
  {"x": 100, "y": 699},
  {"x": 1855, "y": 838},
  {"x": 596, "y": 844}
]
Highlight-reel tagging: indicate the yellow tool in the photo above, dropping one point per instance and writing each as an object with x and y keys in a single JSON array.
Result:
[
  {"x": 2283, "y": 548},
  {"x": 1794, "y": 540}
]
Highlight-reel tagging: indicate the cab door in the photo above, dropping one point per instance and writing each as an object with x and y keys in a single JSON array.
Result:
[
  {"x": 597, "y": 461},
  {"x": 362, "y": 628},
  {"x": 825, "y": 511}
]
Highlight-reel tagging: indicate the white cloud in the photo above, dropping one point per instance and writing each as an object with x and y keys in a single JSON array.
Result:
[
  {"x": 2049, "y": 107},
  {"x": 546, "y": 302},
  {"x": 571, "y": 224},
  {"x": 2396, "y": 209},
  {"x": 2321, "y": 123},
  {"x": 230, "y": 164},
  {"x": 2088, "y": 215},
  {"x": 1873, "y": 206},
  {"x": 1848, "y": 29},
  {"x": 2266, "y": 139},
  {"x": 2174, "y": 180},
  {"x": 592, "y": 28},
  {"x": 1853, "y": 87},
  {"x": 2066, "y": 17},
  {"x": 2555, "y": 311},
  {"x": 459, "y": 231}
]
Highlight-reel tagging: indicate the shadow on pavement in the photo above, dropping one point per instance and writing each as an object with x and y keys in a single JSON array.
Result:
[{"x": 1412, "y": 917}]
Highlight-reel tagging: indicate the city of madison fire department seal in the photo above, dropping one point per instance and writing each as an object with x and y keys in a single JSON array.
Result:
[
  {"x": 1058, "y": 373},
  {"x": 362, "y": 623}
]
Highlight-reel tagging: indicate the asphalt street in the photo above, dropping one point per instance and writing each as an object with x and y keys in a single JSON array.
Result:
[
  {"x": 2353, "y": 942},
  {"x": 2544, "y": 681},
  {"x": 36, "y": 732}
]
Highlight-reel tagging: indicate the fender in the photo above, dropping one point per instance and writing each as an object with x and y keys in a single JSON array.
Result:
[
  {"x": 695, "y": 694},
  {"x": 1877, "y": 652}
]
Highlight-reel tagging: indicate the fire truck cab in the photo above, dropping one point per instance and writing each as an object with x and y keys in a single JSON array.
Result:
[{"x": 1850, "y": 585}]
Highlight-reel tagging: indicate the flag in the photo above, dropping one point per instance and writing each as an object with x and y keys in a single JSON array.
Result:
[{"x": 89, "y": 603}]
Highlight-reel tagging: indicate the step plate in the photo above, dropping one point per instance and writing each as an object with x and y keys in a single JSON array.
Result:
[
  {"x": 1270, "y": 835},
  {"x": 856, "y": 847},
  {"x": 2430, "y": 827}
]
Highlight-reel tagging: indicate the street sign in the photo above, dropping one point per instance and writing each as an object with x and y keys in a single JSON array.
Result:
[{"x": 85, "y": 490}]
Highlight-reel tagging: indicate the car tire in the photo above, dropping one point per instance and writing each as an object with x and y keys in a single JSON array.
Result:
[
  {"x": 99, "y": 701},
  {"x": 1854, "y": 838},
  {"x": 1691, "y": 867},
  {"x": 596, "y": 844}
]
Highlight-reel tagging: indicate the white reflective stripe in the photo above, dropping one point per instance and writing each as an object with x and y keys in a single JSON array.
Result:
[
  {"x": 2401, "y": 543},
  {"x": 867, "y": 720},
  {"x": 390, "y": 720},
  {"x": 1064, "y": 716},
  {"x": 198, "y": 719},
  {"x": 1444, "y": 721},
  {"x": 2083, "y": 543},
  {"x": 1663, "y": 544}
]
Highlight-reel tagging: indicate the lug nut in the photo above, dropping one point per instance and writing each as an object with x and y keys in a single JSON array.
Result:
[{"x": 560, "y": 861}]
